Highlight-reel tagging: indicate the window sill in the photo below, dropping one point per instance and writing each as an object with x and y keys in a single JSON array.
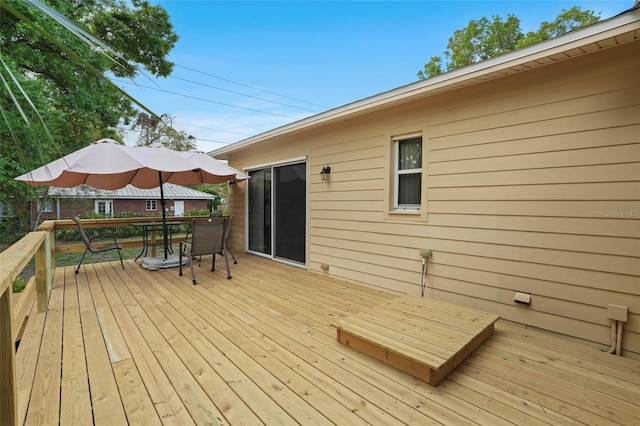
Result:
[
  {"x": 414, "y": 216},
  {"x": 406, "y": 212}
]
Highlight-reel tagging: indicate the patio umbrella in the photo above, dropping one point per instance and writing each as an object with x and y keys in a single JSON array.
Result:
[{"x": 106, "y": 164}]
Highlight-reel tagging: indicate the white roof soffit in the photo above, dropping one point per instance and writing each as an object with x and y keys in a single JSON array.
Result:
[{"x": 620, "y": 29}]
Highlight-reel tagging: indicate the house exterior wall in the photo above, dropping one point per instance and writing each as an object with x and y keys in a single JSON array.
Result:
[
  {"x": 71, "y": 207},
  {"x": 531, "y": 183}
]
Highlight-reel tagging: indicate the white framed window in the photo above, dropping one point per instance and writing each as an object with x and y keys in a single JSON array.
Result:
[
  {"x": 47, "y": 206},
  {"x": 152, "y": 204},
  {"x": 407, "y": 172},
  {"x": 104, "y": 207}
]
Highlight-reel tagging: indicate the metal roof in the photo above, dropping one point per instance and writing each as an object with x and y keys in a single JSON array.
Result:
[
  {"x": 171, "y": 191},
  {"x": 619, "y": 29}
]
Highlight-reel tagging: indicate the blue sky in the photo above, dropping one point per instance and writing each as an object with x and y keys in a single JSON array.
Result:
[{"x": 244, "y": 67}]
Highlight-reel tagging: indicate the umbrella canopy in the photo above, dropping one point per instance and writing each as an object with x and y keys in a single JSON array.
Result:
[
  {"x": 106, "y": 164},
  {"x": 207, "y": 169}
]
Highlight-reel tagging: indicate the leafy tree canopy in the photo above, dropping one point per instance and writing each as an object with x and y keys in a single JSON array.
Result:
[
  {"x": 55, "y": 92},
  {"x": 154, "y": 130},
  {"x": 486, "y": 38}
]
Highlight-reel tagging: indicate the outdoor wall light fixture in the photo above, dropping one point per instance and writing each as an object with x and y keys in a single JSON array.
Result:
[
  {"x": 232, "y": 182},
  {"x": 324, "y": 173}
]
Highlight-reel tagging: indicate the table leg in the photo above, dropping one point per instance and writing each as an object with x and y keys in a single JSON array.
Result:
[
  {"x": 169, "y": 247},
  {"x": 153, "y": 241},
  {"x": 145, "y": 243}
]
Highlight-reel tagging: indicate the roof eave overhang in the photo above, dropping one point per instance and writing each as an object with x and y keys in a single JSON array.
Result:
[{"x": 614, "y": 31}]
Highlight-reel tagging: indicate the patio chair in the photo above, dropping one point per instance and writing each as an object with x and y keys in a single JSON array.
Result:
[
  {"x": 89, "y": 244},
  {"x": 227, "y": 233},
  {"x": 207, "y": 237}
]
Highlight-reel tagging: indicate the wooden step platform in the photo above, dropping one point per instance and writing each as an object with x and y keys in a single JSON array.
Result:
[{"x": 423, "y": 337}]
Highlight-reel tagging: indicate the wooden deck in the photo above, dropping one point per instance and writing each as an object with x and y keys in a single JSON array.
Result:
[{"x": 133, "y": 346}]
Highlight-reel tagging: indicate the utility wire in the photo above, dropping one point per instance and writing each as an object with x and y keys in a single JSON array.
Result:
[
  {"x": 123, "y": 7},
  {"x": 249, "y": 86},
  {"x": 238, "y": 93},
  {"x": 197, "y": 139},
  {"x": 204, "y": 100},
  {"x": 215, "y": 130}
]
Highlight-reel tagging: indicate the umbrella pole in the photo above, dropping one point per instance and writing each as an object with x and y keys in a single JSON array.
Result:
[{"x": 164, "y": 219}]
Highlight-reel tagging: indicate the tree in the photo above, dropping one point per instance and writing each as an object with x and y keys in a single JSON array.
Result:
[
  {"x": 483, "y": 39},
  {"x": 55, "y": 94},
  {"x": 161, "y": 131},
  {"x": 567, "y": 20},
  {"x": 219, "y": 190}
]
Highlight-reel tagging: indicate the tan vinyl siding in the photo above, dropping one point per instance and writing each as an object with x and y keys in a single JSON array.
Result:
[{"x": 532, "y": 183}]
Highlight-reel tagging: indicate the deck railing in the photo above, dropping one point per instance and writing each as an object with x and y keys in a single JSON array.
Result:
[
  {"x": 40, "y": 245},
  {"x": 12, "y": 262}
]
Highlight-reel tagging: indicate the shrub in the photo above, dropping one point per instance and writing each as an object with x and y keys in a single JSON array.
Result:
[
  {"x": 196, "y": 212},
  {"x": 19, "y": 284},
  {"x": 120, "y": 232}
]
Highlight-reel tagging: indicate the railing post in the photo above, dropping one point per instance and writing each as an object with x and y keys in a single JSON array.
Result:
[
  {"x": 49, "y": 226},
  {"x": 52, "y": 255},
  {"x": 43, "y": 273},
  {"x": 8, "y": 396}
]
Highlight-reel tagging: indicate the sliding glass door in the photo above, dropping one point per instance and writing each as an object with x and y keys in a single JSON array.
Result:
[{"x": 277, "y": 206}]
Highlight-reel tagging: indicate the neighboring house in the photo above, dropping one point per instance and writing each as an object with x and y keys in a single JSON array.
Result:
[
  {"x": 65, "y": 203},
  {"x": 520, "y": 173}
]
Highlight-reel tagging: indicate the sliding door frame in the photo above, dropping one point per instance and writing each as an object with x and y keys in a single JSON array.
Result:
[{"x": 273, "y": 166}]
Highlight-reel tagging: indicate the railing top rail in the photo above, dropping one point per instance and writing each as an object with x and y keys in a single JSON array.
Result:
[
  {"x": 16, "y": 257},
  {"x": 121, "y": 221},
  {"x": 47, "y": 225}
]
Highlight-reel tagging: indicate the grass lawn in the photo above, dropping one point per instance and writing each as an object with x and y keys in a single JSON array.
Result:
[
  {"x": 68, "y": 259},
  {"x": 107, "y": 256}
]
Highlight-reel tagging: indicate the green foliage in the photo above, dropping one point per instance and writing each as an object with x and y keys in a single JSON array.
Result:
[
  {"x": 484, "y": 39},
  {"x": 10, "y": 230},
  {"x": 119, "y": 232},
  {"x": 161, "y": 131},
  {"x": 55, "y": 96},
  {"x": 197, "y": 212},
  {"x": 566, "y": 21},
  {"x": 219, "y": 190},
  {"x": 18, "y": 283}
]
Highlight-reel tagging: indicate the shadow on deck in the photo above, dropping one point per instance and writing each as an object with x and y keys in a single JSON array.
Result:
[{"x": 138, "y": 347}]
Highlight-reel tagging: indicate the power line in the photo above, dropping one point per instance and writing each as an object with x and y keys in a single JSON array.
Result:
[
  {"x": 215, "y": 130},
  {"x": 197, "y": 139},
  {"x": 204, "y": 100},
  {"x": 249, "y": 86},
  {"x": 241, "y": 94},
  {"x": 111, "y": 4}
]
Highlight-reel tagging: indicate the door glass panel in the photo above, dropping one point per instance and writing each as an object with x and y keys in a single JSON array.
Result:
[
  {"x": 260, "y": 211},
  {"x": 290, "y": 212}
]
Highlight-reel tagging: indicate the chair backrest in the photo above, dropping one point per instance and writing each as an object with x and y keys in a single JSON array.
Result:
[
  {"x": 227, "y": 227},
  {"x": 83, "y": 234},
  {"x": 207, "y": 235}
]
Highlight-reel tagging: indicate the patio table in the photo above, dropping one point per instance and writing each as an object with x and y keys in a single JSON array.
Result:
[{"x": 149, "y": 236}]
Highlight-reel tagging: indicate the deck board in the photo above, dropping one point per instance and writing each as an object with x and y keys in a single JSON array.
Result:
[
  {"x": 75, "y": 403},
  {"x": 105, "y": 399},
  {"x": 141, "y": 347},
  {"x": 44, "y": 405},
  {"x": 161, "y": 392}
]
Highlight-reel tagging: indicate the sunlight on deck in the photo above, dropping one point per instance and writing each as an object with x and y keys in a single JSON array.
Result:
[{"x": 138, "y": 347}]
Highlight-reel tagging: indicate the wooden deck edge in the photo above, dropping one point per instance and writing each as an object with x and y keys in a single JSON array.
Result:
[
  {"x": 390, "y": 344},
  {"x": 461, "y": 355},
  {"x": 399, "y": 361}
]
